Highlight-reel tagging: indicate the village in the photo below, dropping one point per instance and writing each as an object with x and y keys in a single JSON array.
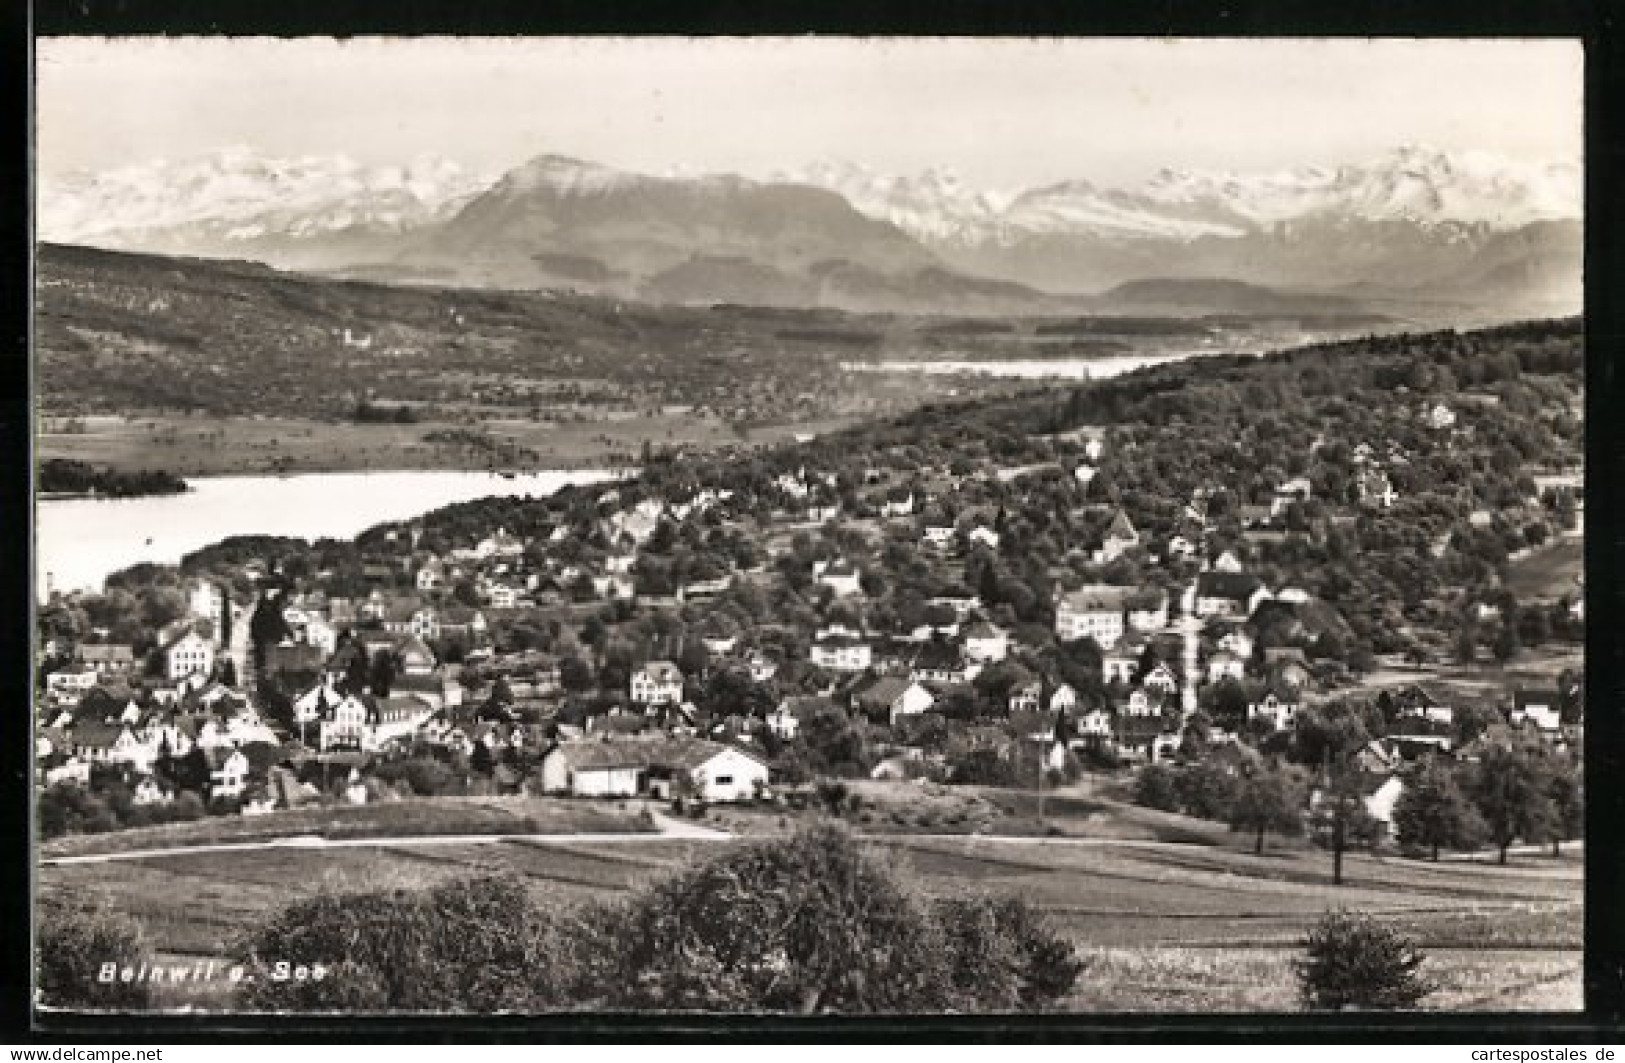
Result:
[{"x": 728, "y": 644}]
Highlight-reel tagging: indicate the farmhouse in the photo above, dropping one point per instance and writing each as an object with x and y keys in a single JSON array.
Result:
[
  {"x": 894, "y": 697},
  {"x": 659, "y": 767}
]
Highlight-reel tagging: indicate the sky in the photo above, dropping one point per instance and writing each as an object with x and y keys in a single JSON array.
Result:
[{"x": 1010, "y": 114}]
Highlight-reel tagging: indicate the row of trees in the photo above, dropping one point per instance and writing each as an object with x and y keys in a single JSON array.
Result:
[{"x": 1511, "y": 794}]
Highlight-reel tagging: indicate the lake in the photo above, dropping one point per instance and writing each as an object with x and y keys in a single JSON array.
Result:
[
  {"x": 79, "y": 541},
  {"x": 1034, "y": 368}
]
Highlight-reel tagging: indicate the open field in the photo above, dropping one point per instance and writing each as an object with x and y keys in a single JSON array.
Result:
[
  {"x": 1192, "y": 926},
  {"x": 1547, "y": 573},
  {"x": 240, "y": 446},
  {"x": 423, "y": 816}
]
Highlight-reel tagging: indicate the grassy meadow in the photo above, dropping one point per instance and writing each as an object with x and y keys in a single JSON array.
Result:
[{"x": 1189, "y": 925}]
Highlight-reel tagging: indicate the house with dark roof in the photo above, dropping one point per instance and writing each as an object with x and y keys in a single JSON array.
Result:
[
  {"x": 1119, "y": 538},
  {"x": 893, "y": 697},
  {"x": 1279, "y": 705},
  {"x": 1540, "y": 707},
  {"x": 113, "y": 658},
  {"x": 1232, "y": 595}
]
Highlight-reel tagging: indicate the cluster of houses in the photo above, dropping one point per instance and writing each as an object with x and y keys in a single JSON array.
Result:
[{"x": 1161, "y": 648}]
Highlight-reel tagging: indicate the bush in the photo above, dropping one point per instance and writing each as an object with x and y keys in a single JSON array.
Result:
[
  {"x": 1155, "y": 788},
  {"x": 1354, "y": 963},
  {"x": 476, "y": 945},
  {"x": 803, "y": 924},
  {"x": 806, "y": 923},
  {"x": 75, "y": 942}
]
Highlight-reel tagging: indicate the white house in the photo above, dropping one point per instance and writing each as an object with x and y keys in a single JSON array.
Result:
[
  {"x": 1161, "y": 679},
  {"x": 150, "y": 792},
  {"x": 1095, "y": 611},
  {"x": 762, "y": 668},
  {"x": 657, "y": 683},
  {"x": 1096, "y": 723},
  {"x": 1064, "y": 698},
  {"x": 914, "y": 700},
  {"x": 840, "y": 575},
  {"x": 842, "y": 653},
  {"x": 190, "y": 654},
  {"x": 716, "y": 773},
  {"x": 431, "y": 577},
  {"x": 1120, "y": 537},
  {"x": 984, "y": 537},
  {"x": 661, "y": 767},
  {"x": 1539, "y": 707},
  {"x": 1232, "y": 595},
  {"x": 1238, "y": 642},
  {"x": 1148, "y": 611},
  {"x": 1119, "y": 665},
  {"x": 228, "y": 773},
  {"x": 985, "y": 643},
  {"x": 898, "y": 504},
  {"x": 1225, "y": 665},
  {"x": 1027, "y": 697},
  {"x": 1278, "y": 707}
]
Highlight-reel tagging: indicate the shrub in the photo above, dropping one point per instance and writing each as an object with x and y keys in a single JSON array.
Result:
[
  {"x": 75, "y": 942},
  {"x": 802, "y": 924},
  {"x": 1155, "y": 789},
  {"x": 476, "y": 944},
  {"x": 805, "y": 923},
  {"x": 1352, "y": 962}
]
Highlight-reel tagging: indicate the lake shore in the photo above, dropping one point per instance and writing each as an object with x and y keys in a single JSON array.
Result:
[{"x": 206, "y": 446}]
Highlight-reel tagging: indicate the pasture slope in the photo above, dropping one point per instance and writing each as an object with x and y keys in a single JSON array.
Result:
[{"x": 1197, "y": 924}]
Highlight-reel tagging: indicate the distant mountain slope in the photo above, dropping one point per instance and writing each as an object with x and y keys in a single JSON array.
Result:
[{"x": 1184, "y": 296}]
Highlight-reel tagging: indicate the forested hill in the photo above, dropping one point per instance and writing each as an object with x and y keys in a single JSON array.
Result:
[
  {"x": 1228, "y": 431},
  {"x": 1238, "y": 422}
]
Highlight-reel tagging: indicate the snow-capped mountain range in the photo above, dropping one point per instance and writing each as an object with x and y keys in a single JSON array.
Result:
[
  {"x": 237, "y": 194},
  {"x": 1410, "y": 184},
  {"x": 1468, "y": 224}
]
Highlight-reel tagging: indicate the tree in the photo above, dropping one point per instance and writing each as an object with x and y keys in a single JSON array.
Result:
[
  {"x": 1267, "y": 800},
  {"x": 478, "y": 944},
  {"x": 1512, "y": 792},
  {"x": 1155, "y": 788},
  {"x": 381, "y": 677},
  {"x": 1567, "y": 793},
  {"x": 834, "y": 743},
  {"x": 1352, "y": 962},
  {"x": 1206, "y": 791},
  {"x": 1432, "y": 812},
  {"x": 811, "y": 924},
  {"x": 1506, "y": 644},
  {"x": 76, "y": 943}
]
